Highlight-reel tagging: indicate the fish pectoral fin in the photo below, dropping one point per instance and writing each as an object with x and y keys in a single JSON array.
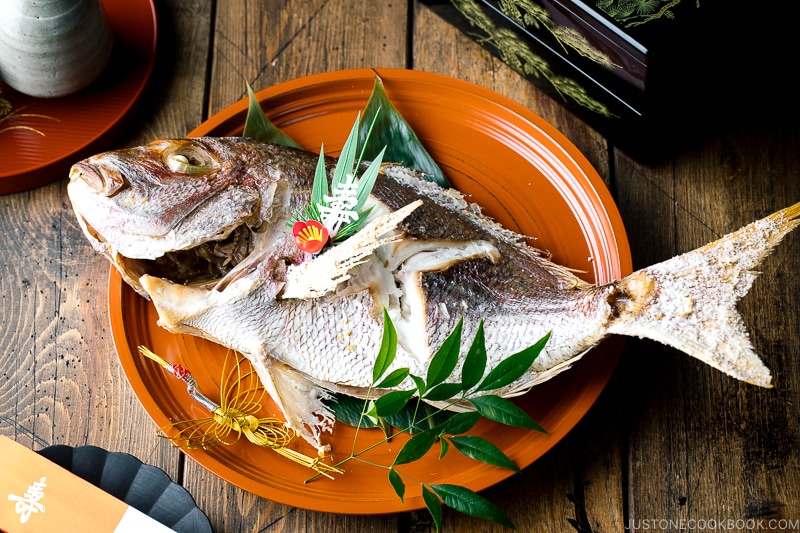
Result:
[
  {"x": 299, "y": 399},
  {"x": 325, "y": 272},
  {"x": 178, "y": 304}
]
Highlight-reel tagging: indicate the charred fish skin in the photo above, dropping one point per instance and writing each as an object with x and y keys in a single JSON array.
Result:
[{"x": 438, "y": 263}]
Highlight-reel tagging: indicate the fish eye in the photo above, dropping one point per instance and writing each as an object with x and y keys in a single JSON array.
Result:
[{"x": 188, "y": 160}]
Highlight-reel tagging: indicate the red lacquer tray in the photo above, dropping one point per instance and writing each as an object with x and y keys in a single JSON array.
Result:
[
  {"x": 525, "y": 174},
  {"x": 81, "y": 123}
]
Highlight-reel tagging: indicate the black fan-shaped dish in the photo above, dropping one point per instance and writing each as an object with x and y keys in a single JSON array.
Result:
[{"x": 144, "y": 487}]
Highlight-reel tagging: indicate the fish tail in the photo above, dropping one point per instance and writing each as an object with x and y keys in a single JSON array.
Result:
[{"x": 689, "y": 301}]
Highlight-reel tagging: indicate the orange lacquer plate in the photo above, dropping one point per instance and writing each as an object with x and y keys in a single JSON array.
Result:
[
  {"x": 85, "y": 122},
  {"x": 513, "y": 163}
]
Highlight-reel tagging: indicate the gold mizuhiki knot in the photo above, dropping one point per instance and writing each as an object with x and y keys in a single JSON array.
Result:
[{"x": 240, "y": 396}]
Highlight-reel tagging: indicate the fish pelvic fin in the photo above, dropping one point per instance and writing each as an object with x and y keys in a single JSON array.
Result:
[
  {"x": 689, "y": 301},
  {"x": 300, "y": 400}
]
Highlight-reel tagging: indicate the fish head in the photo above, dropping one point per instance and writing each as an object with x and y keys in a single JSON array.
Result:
[{"x": 168, "y": 204}]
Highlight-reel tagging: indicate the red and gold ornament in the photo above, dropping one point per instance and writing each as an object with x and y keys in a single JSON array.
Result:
[{"x": 310, "y": 235}]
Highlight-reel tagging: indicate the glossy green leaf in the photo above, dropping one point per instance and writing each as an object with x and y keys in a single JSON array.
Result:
[
  {"x": 444, "y": 391},
  {"x": 445, "y": 359},
  {"x": 371, "y": 412},
  {"x": 395, "y": 378},
  {"x": 257, "y": 125},
  {"x": 444, "y": 447},
  {"x": 475, "y": 361},
  {"x": 504, "y": 411},
  {"x": 391, "y": 402},
  {"x": 397, "y": 484},
  {"x": 420, "y": 383},
  {"x": 416, "y": 417},
  {"x": 348, "y": 409},
  {"x": 388, "y": 349},
  {"x": 433, "y": 505},
  {"x": 416, "y": 447},
  {"x": 459, "y": 423},
  {"x": 482, "y": 450},
  {"x": 513, "y": 367},
  {"x": 469, "y": 502},
  {"x": 393, "y": 132}
]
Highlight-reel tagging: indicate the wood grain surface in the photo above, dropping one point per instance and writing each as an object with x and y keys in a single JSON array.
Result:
[{"x": 669, "y": 440}]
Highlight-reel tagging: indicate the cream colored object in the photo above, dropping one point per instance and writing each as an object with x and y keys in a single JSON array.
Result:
[{"x": 51, "y": 48}]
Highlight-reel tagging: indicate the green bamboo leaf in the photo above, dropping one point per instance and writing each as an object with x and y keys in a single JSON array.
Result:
[
  {"x": 257, "y": 125},
  {"x": 394, "y": 379},
  {"x": 391, "y": 402},
  {"x": 397, "y": 484},
  {"x": 364, "y": 135},
  {"x": 475, "y": 362},
  {"x": 468, "y": 502},
  {"x": 459, "y": 423},
  {"x": 347, "y": 157},
  {"x": 367, "y": 181},
  {"x": 446, "y": 358},
  {"x": 388, "y": 348},
  {"x": 443, "y": 391},
  {"x": 504, "y": 411},
  {"x": 320, "y": 187},
  {"x": 434, "y": 506},
  {"x": 416, "y": 447},
  {"x": 482, "y": 450},
  {"x": 512, "y": 367},
  {"x": 392, "y": 130}
]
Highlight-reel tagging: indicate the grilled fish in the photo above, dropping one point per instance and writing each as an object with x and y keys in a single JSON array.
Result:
[{"x": 199, "y": 226}]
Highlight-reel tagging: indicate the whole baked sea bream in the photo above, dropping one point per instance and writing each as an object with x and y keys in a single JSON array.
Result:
[{"x": 199, "y": 226}]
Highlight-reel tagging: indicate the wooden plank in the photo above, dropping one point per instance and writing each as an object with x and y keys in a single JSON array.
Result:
[
  {"x": 66, "y": 385},
  {"x": 265, "y": 43},
  {"x": 176, "y": 97},
  {"x": 703, "y": 446}
]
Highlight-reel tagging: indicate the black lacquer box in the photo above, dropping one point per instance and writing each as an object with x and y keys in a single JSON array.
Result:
[{"x": 647, "y": 74}]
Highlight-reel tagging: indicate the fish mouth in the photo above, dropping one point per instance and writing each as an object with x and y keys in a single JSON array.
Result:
[
  {"x": 202, "y": 266},
  {"x": 103, "y": 182}
]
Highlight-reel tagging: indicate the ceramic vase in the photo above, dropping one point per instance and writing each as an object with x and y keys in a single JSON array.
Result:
[{"x": 51, "y": 48}]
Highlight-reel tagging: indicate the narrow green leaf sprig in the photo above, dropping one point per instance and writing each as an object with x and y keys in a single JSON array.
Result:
[
  {"x": 338, "y": 213},
  {"x": 427, "y": 426}
]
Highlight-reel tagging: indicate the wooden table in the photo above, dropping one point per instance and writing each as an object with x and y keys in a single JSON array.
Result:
[{"x": 670, "y": 439}]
